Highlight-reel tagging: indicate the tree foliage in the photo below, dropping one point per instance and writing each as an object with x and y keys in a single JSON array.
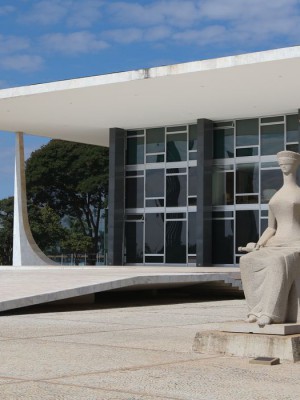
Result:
[
  {"x": 46, "y": 227},
  {"x": 71, "y": 180},
  {"x": 6, "y": 230}
]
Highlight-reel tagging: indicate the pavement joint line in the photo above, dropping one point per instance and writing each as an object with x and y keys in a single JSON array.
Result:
[
  {"x": 146, "y": 327},
  {"x": 127, "y": 324},
  {"x": 14, "y": 380},
  {"x": 118, "y": 347},
  {"x": 119, "y": 312},
  {"x": 133, "y": 368},
  {"x": 154, "y": 396},
  {"x": 99, "y": 332},
  {"x": 17, "y": 381},
  {"x": 122, "y": 309},
  {"x": 94, "y": 332}
]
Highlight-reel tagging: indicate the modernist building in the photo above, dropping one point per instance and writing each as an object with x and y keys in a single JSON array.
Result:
[{"x": 192, "y": 149}]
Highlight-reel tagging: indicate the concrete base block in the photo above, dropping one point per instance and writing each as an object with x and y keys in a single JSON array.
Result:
[
  {"x": 248, "y": 345},
  {"x": 273, "y": 329}
]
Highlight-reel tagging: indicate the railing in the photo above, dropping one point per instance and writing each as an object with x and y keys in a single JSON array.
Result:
[{"x": 78, "y": 259}]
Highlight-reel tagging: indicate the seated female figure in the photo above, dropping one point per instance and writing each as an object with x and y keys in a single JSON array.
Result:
[{"x": 271, "y": 266}]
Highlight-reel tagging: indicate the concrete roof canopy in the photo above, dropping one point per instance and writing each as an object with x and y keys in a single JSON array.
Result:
[{"x": 83, "y": 110}]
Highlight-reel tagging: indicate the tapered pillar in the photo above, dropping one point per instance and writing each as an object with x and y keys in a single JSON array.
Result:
[{"x": 25, "y": 249}]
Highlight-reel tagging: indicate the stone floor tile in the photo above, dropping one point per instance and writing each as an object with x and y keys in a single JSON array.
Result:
[
  {"x": 174, "y": 339},
  {"x": 215, "y": 378},
  {"x": 46, "y": 391},
  {"x": 40, "y": 359}
]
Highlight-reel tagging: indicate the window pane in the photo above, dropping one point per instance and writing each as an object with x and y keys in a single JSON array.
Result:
[
  {"x": 176, "y": 170},
  {"x": 272, "y": 139},
  {"x": 135, "y": 173},
  {"x": 154, "y": 234},
  {"x": 135, "y": 132},
  {"x": 134, "y": 242},
  {"x": 155, "y": 158},
  {"x": 154, "y": 259},
  {"x": 271, "y": 181},
  {"x": 224, "y": 124},
  {"x": 222, "y": 187},
  {"x": 155, "y": 203},
  {"x": 263, "y": 225},
  {"x": 176, "y": 128},
  {"x": 175, "y": 215},
  {"x": 134, "y": 217},
  {"x": 155, "y": 140},
  {"x": 247, "y": 152},
  {"x": 269, "y": 120},
  {"x": 246, "y": 199},
  {"x": 192, "y": 233},
  {"x": 177, "y": 147},
  {"x": 192, "y": 137},
  {"x": 247, "y": 178},
  {"x": 293, "y": 147},
  {"x": 134, "y": 192},
  {"x": 155, "y": 183},
  {"x": 223, "y": 143},
  {"x": 192, "y": 155},
  {"x": 269, "y": 164},
  {"x": 176, "y": 191},
  {"x": 222, "y": 214},
  {"x": 192, "y": 201},
  {"x": 292, "y": 128},
  {"x": 222, "y": 241},
  {"x": 192, "y": 181},
  {"x": 176, "y": 242},
  {"x": 247, "y": 227},
  {"x": 247, "y": 132},
  {"x": 135, "y": 150}
]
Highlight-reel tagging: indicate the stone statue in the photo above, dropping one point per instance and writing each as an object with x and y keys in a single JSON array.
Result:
[{"x": 272, "y": 265}]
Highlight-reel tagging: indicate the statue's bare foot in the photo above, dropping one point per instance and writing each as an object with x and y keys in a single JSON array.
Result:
[
  {"x": 264, "y": 320},
  {"x": 251, "y": 318}
]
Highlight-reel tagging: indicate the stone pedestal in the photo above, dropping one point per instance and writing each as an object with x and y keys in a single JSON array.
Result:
[
  {"x": 285, "y": 347},
  {"x": 273, "y": 329}
]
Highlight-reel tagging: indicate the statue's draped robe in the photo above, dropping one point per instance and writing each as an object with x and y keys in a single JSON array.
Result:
[{"x": 269, "y": 273}]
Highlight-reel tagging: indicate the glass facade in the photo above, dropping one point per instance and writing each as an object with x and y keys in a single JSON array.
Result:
[
  {"x": 161, "y": 187},
  {"x": 245, "y": 177}
]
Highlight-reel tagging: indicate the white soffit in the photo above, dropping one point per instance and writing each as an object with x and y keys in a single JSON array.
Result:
[{"x": 83, "y": 110}]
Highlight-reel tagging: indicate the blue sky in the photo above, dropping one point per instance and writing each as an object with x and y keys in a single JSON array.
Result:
[{"x": 49, "y": 40}]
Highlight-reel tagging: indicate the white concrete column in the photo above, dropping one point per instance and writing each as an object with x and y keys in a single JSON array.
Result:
[{"x": 25, "y": 249}]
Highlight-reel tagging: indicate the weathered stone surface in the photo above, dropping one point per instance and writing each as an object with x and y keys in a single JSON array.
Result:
[
  {"x": 273, "y": 329},
  {"x": 131, "y": 351},
  {"x": 248, "y": 345}
]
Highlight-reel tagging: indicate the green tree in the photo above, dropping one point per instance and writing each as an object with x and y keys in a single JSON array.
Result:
[
  {"x": 76, "y": 244},
  {"x": 46, "y": 228},
  {"x": 72, "y": 180},
  {"x": 6, "y": 230}
]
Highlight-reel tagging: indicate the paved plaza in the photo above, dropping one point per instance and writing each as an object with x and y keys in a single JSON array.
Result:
[{"x": 138, "y": 349}]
